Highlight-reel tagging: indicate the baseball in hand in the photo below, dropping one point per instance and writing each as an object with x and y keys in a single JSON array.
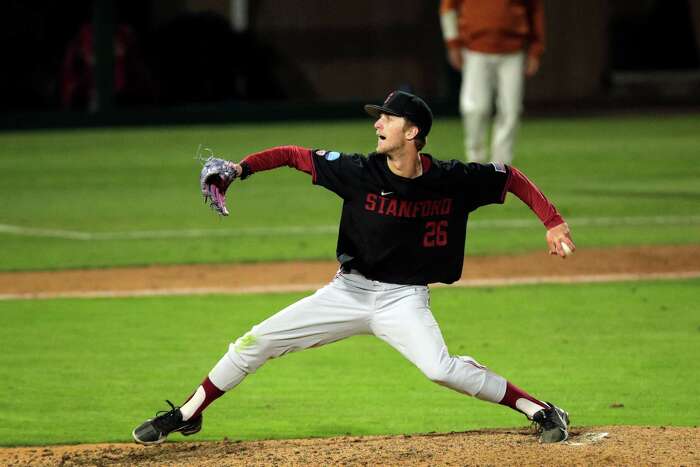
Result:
[{"x": 565, "y": 248}]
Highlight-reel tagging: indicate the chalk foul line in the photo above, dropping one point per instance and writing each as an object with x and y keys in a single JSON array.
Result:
[{"x": 79, "y": 235}]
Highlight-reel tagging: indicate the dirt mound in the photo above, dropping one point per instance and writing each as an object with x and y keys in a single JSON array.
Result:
[{"x": 612, "y": 445}]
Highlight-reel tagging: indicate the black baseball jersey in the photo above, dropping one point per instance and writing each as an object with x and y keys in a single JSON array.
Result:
[{"x": 406, "y": 231}]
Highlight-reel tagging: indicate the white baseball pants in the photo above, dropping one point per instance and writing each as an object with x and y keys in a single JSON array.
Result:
[
  {"x": 352, "y": 304},
  {"x": 484, "y": 75}
]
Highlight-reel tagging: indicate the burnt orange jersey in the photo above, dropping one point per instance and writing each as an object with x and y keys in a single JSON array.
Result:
[{"x": 494, "y": 26}]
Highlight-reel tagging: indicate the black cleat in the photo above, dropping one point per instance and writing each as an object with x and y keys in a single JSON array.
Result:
[
  {"x": 552, "y": 424},
  {"x": 156, "y": 430}
]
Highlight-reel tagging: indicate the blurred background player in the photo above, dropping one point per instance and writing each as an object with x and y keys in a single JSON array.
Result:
[{"x": 494, "y": 43}]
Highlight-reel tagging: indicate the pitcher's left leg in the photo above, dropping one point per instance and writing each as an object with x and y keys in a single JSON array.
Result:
[{"x": 406, "y": 322}]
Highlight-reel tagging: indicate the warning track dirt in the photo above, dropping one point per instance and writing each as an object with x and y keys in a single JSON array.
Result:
[{"x": 586, "y": 265}]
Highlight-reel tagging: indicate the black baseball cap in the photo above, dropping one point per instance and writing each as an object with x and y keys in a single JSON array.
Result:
[{"x": 408, "y": 106}]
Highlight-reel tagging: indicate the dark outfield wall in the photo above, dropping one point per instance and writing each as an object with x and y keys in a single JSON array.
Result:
[
  {"x": 314, "y": 57},
  {"x": 360, "y": 49}
]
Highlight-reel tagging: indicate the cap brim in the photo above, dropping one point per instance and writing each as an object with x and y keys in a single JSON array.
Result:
[{"x": 376, "y": 110}]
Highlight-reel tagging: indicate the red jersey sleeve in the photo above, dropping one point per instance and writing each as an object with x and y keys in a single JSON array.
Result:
[
  {"x": 291, "y": 156},
  {"x": 523, "y": 188}
]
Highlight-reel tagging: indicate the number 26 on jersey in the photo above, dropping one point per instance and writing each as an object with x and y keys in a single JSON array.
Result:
[{"x": 435, "y": 234}]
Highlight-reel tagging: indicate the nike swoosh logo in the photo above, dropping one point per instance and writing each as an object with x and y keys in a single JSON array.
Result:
[{"x": 385, "y": 193}]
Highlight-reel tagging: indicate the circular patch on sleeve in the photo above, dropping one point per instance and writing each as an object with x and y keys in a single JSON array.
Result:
[{"x": 333, "y": 155}]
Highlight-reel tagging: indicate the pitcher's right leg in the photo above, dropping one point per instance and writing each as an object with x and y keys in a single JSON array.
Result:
[{"x": 332, "y": 313}]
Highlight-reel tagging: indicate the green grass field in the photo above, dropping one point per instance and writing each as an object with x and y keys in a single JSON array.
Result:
[
  {"x": 93, "y": 369},
  {"x": 88, "y": 370},
  {"x": 100, "y": 198}
]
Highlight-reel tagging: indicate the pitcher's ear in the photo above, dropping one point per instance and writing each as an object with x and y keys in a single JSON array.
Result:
[{"x": 411, "y": 132}]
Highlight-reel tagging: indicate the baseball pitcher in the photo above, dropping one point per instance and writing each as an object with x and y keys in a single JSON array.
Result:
[{"x": 403, "y": 226}]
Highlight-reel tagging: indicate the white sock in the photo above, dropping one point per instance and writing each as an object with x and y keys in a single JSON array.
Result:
[
  {"x": 193, "y": 404},
  {"x": 529, "y": 407}
]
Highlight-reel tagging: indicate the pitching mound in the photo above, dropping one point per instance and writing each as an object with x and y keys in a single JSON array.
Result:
[{"x": 612, "y": 445}]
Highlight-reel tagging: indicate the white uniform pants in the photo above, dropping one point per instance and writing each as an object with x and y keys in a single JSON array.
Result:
[
  {"x": 352, "y": 304},
  {"x": 484, "y": 75}
]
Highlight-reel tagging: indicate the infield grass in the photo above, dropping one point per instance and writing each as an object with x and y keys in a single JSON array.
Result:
[
  {"x": 89, "y": 370},
  {"x": 117, "y": 197}
]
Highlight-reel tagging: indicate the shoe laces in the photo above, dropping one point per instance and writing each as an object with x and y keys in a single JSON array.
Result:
[
  {"x": 544, "y": 422},
  {"x": 172, "y": 409},
  {"x": 166, "y": 420}
]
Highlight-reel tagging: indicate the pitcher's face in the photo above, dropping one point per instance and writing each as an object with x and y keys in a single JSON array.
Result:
[{"x": 392, "y": 133}]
